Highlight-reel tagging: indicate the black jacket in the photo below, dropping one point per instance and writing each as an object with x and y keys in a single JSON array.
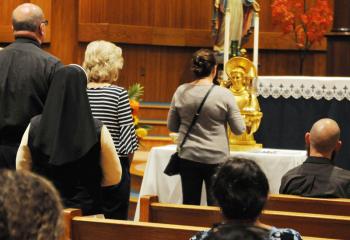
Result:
[
  {"x": 317, "y": 177},
  {"x": 25, "y": 76}
]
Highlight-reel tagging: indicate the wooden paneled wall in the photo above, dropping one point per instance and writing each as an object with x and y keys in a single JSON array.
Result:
[{"x": 157, "y": 37}]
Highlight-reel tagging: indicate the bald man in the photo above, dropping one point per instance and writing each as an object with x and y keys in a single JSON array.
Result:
[
  {"x": 317, "y": 176},
  {"x": 26, "y": 73}
]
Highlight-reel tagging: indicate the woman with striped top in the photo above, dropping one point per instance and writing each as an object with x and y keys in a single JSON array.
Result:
[{"x": 110, "y": 104}]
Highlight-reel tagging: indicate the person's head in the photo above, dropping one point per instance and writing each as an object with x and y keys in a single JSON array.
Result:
[
  {"x": 66, "y": 118},
  {"x": 323, "y": 138},
  {"x": 240, "y": 188},
  {"x": 30, "y": 207},
  {"x": 103, "y": 61},
  {"x": 235, "y": 232},
  {"x": 28, "y": 20},
  {"x": 203, "y": 63}
]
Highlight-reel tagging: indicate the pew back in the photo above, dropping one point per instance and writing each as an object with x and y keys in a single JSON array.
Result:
[
  {"x": 317, "y": 225},
  {"x": 87, "y": 228},
  {"x": 153, "y": 211},
  {"x": 291, "y": 203}
]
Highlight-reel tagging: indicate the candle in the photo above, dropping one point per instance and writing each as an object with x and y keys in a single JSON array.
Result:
[
  {"x": 227, "y": 39},
  {"x": 256, "y": 40}
]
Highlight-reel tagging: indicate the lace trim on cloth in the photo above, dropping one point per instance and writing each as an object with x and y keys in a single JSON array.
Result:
[{"x": 304, "y": 87}]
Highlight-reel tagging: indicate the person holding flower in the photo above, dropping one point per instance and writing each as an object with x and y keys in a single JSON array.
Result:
[{"x": 110, "y": 104}]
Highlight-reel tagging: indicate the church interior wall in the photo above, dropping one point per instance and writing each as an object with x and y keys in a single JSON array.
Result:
[{"x": 157, "y": 37}]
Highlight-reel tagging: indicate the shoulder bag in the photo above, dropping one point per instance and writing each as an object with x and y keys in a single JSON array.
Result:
[{"x": 173, "y": 167}]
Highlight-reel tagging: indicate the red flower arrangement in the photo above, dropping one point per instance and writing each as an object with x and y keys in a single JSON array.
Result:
[{"x": 308, "y": 24}]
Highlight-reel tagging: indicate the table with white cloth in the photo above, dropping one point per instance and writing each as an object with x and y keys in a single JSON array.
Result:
[
  {"x": 274, "y": 162},
  {"x": 291, "y": 104}
]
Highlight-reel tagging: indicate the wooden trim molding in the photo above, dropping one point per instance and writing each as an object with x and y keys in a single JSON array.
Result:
[
  {"x": 280, "y": 41},
  {"x": 160, "y": 36},
  {"x": 144, "y": 35}
]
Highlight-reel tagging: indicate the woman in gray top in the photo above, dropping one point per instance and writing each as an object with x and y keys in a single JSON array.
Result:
[{"x": 207, "y": 144}]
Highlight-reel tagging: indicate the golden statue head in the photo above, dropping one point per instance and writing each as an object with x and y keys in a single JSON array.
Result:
[
  {"x": 237, "y": 78},
  {"x": 241, "y": 63},
  {"x": 241, "y": 73}
]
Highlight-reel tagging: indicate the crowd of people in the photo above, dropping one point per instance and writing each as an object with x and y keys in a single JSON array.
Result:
[
  {"x": 72, "y": 127},
  {"x": 70, "y": 124}
]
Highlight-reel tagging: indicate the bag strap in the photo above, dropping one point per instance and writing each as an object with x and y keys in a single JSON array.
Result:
[{"x": 195, "y": 117}]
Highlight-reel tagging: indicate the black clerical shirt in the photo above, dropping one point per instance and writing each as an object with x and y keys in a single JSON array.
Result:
[
  {"x": 25, "y": 75},
  {"x": 317, "y": 177}
]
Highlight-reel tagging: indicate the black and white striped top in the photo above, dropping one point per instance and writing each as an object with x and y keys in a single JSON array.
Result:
[{"x": 111, "y": 105}]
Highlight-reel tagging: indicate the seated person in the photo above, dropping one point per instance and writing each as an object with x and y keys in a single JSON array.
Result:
[
  {"x": 241, "y": 189},
  {"x": 68, "y": 146},
  {"x": 317, "y": 176},
  {"x": 30, "y": 207}
]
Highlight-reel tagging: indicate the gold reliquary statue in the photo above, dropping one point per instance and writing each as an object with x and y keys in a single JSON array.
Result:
[{"x": 241, "y": 82}]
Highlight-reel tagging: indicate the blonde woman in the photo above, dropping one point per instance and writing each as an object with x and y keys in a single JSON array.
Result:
[{"x": 110, "y": 104}]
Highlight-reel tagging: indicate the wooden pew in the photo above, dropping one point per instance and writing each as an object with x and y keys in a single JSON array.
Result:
[
  {"x": 308, "y": 224},
  {"x": 153, "y": 211},
  {"x": 68, "y": 215},
  {"x": 316, "y": 225},
  {"x": 132, "y": 207},
  {"x": 291, "y": 203},
  {"x": 88, "y": 228}
]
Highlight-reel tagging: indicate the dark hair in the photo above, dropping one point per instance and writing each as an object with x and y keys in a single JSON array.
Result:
[
  {"x": 203, "y": 62},
  {"x": 25, "y": 26},
  {"x": 236, "y": 232},
  {"x": 30, "y": 207},
  {"x": 241, "y": 188}
]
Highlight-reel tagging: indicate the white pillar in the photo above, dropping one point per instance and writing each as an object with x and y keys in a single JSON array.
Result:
[
  {"x": 256, "y": 49},
  {"x": 256, "y": 40},
  {"x": 227, "y": 39}
]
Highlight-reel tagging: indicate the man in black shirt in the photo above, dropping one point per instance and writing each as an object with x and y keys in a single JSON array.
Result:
[
  {"x": 317, "y": 176},
  {"x": 26, "y": 73}
]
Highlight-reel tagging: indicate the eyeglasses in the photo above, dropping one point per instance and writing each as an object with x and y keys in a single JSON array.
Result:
[{"x": 46, "y": 22}]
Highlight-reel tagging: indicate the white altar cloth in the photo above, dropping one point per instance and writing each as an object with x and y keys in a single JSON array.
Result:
[
  {"x": 274, "y": 162},
  {"x": 304, "y": 87}
]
